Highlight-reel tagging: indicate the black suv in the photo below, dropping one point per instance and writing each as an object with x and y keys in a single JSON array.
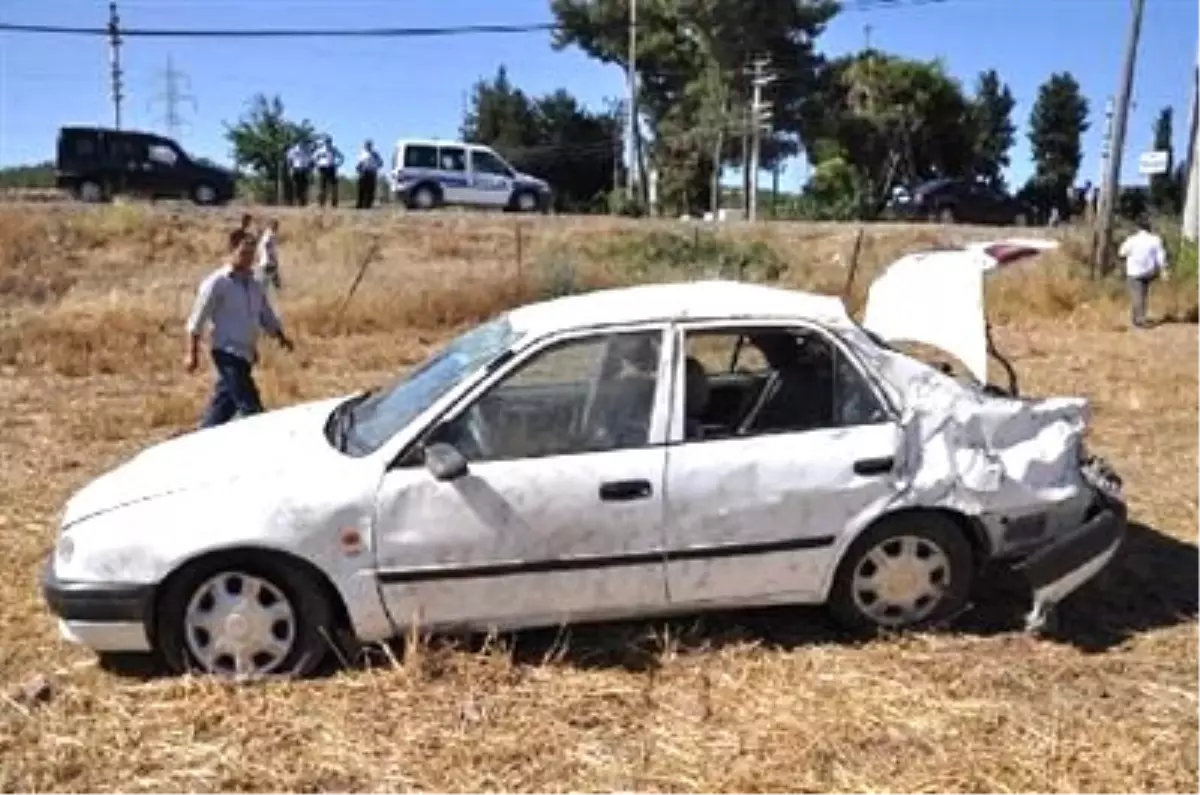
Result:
[
  {"x": 97, "y": 163},
  {"x": 960, "y": 201}
]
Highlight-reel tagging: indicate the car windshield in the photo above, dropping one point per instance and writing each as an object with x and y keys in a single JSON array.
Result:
[{"x": 362, "y": 425}]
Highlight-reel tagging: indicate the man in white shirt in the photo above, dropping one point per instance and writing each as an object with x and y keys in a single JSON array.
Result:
[
  {"x": 328, "y": 159},
  {"x": 369, "y": 163},
  {"x": 1145, "y": 259},
  {"x": 299, "y": 168},
  {"x": 236, "y": 306},
  {"x": 267, "y": 269}
]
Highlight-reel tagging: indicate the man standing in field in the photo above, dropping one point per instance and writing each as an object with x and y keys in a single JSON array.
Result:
[
  {"x": 299, "y": 165},
  {"x": 328, "y": 159},
  {"x": 369, "y": 163},
  {"x": 237, "y": 307},
  {"x": 1145, "y": 258}
]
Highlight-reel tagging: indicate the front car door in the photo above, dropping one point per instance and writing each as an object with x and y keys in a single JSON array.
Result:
[
  {"x": 559, "y": 516},
  {"x": 759, "y": 500},
  {"x": 491, "y": 178}
]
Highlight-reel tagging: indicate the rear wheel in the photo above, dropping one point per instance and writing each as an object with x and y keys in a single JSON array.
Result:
[
  {"x": 90, "y": 191},
  {"x": 1020, "y": 220},
  {"x": 908, "y": 571},
  {"x": 946, "y": 215},
  {"x": 423, "y": 198},
  {"x": 234, "y": 618}
]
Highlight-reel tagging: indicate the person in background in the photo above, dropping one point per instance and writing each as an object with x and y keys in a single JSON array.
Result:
[
  {"x": 328, "y": 160},
  {"x": 242, "y": 229},
  {"x": 237, "y": 308},
  {"x": 300, "y": 163},
  {"x": 369, "y": 163},
  {"x": 267, "y": 269},
  {"x": 1145, "y": 259}
]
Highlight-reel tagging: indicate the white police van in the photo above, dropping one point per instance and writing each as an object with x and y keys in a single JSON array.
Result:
[{"x": 428, "y": 174}]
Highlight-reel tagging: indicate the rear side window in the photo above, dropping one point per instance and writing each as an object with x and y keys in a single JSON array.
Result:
[
  {"x": 452, "y": 158},
  {"x": 420, "y": 157},
  {"x": 83, "y": 146}
]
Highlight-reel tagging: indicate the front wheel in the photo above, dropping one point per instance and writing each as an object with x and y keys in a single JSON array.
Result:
[
  {"x": 244, "y": 619},
  {"x": 908, "y": 571},
  {"x": 527, "y": 201}
]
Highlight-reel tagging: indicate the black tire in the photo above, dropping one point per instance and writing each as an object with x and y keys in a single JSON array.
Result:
[
  {"x": 204, "y": 194},
  {"x": 931, "y": 530},
  {"x": 424, "y": 197},
  {"x": 1020, "y": 219},
  {"x": 314, "y": 625},
  {"x": 90, "y": 191},
  {"x": 526, "y": 201},
  {"x": 946, "y": 215}
]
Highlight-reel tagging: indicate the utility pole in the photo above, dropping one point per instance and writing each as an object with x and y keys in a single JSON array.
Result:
[
  {"x": 114, "y": 56},
  {"x": 630, "y": 178},
  {"x": 1191, "y": 197},
  {"x": 760, "y": 119},
  {"x": 1103, "y": 255},
  {"x": 171, "y": 96}
]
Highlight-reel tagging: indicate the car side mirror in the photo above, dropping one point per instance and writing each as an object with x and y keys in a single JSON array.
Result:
[{"x": 445, "y": 462}]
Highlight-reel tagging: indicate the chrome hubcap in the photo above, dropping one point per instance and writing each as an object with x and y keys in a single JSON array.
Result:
[
  {"x": 239, "y": 625},
  {"x": 901, "y": 580}
]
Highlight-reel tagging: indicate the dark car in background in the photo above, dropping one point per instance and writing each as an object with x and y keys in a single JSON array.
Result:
[
  {"x": 95, "y": 164},
  {"x": 959, "y": 201}
]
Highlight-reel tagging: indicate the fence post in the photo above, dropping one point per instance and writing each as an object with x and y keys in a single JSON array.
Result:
[{"x": 520, "y": 256}]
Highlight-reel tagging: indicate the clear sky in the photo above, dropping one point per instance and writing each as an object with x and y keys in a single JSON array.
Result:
[{"x": 390, "y": 88}]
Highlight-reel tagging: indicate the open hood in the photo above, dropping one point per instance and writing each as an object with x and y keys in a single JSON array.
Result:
[{"x": 938, "y": 298}]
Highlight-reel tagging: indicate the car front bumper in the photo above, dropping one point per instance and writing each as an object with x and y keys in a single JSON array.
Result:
[
  {"x": 105, "y": 617},
  {"x": 1059, "y": 567}
]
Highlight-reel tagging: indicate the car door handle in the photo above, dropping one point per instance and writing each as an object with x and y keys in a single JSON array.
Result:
[
  {"x": 620, "y": 490},
  {"x": 874, "y": 466}
]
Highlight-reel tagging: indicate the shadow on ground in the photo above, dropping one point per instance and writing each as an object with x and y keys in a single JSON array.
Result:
[{"x": 1151, "y": 584}]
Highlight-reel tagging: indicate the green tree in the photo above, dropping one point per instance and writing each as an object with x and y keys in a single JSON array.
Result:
[
  {"x": 40, "y": 175},
  {"x": 994, "y": 131},
  {"x": 552, "y": 137},
  {"x": 893, "y": 121},
  {"x": 1056, "y": 127},
  {"x": 260, "y": 140},
  {"x": 694, "y": 84},
  {"x": 1166, "y": 189}
]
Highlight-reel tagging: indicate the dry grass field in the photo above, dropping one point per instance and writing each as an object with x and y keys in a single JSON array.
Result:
[{"x": 92, "y": 304}]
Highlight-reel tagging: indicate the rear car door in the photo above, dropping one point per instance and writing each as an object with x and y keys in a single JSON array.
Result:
[
  {"x": 453, "y": 175},
  {"x": 757, "y": 511},
  {"x": 559, "y": 516}
]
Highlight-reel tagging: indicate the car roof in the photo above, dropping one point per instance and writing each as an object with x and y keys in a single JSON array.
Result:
[
  {"x": 715, "y": 299},
  {"x": 425, "y": 142}
]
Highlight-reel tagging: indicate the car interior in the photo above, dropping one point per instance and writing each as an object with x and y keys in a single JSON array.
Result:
[{"x": 598, "y": 395}]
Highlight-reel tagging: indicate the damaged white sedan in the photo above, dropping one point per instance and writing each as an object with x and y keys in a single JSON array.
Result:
[{"x": 624, "y": 453}]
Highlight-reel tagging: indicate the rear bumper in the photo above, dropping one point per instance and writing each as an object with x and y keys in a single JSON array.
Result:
[
  {"x": 1060, "y": 567},
  {"x": 102, "y": 616}
]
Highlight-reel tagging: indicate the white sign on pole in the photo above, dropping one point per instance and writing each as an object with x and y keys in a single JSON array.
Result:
[{"x": 1153, "y": 163}]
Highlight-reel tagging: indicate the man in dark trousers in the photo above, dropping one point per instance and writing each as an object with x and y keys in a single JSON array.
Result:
[
  {"x": 328, "y": 160},
  {"x": 299, "y": 167},
  {"x": 237, "y": 307},
  {"x": 369, "y": 163}
]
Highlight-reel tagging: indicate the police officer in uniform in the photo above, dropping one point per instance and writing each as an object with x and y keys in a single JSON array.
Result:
[
  {"x": 369, "y": 163},
  {"x": 328, "y": 160},
  {"x": 299, "y": 168}
]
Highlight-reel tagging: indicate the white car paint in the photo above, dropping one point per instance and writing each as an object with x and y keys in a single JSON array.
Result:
[
  {"x": 937, "y": 297},
  {"x": 273, "y": 482}
]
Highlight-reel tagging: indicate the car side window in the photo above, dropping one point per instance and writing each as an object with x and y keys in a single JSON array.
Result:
[
  {"x": 485, "y": 162},
  {"x": 579, "y": 396},
  {"x": 163, "y": 155},
  {"x": 452, "y": 158},
  {"x": 807, "y": 383},
  {"x": 417, "y": 156}
]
